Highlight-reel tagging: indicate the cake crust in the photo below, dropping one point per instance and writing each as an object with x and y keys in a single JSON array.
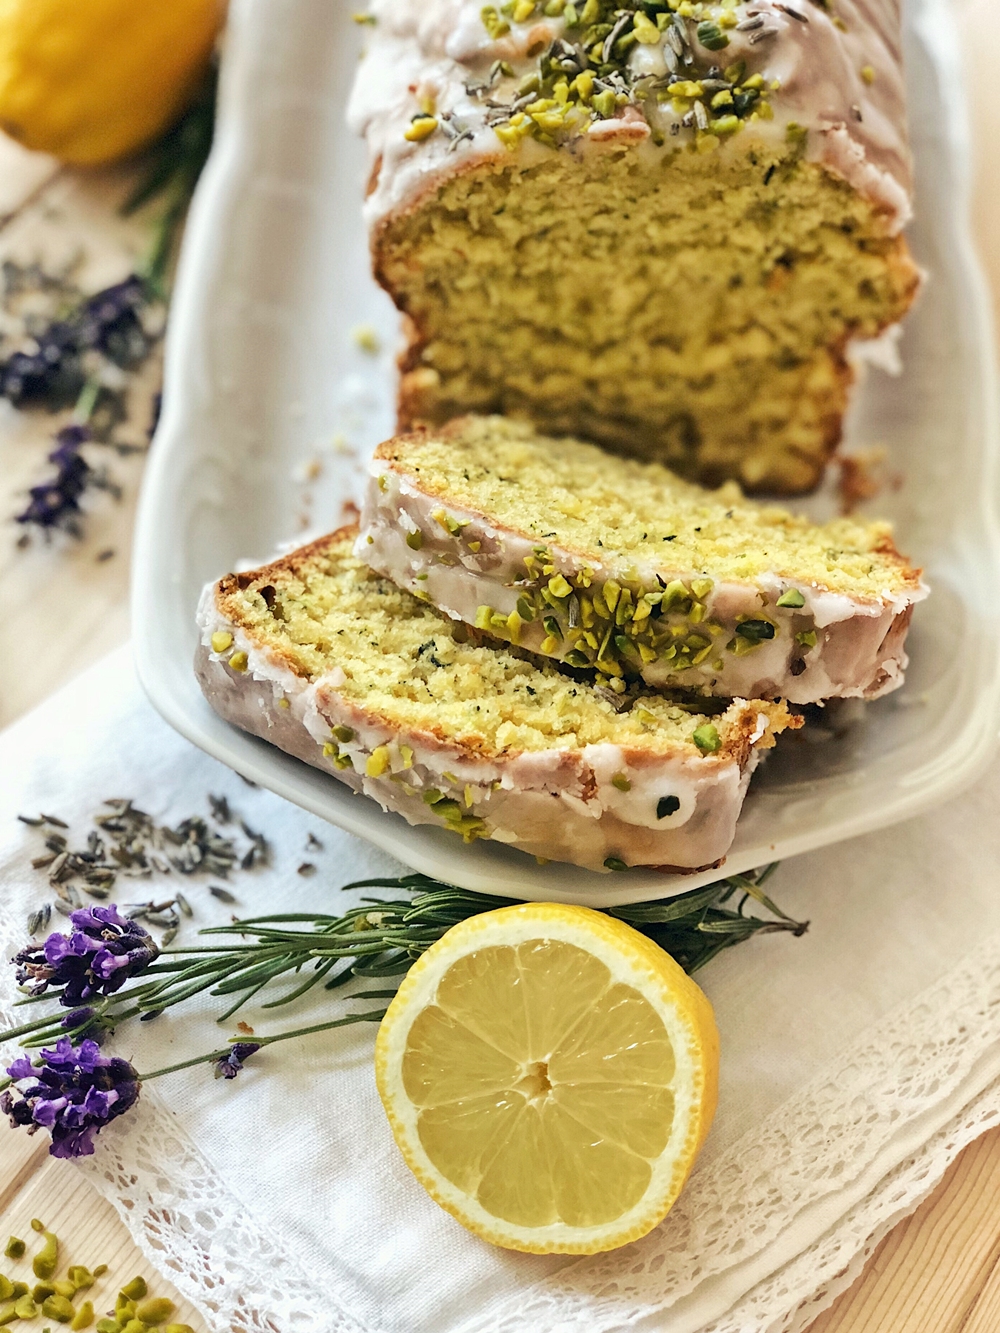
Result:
[{"x": 591, "y": 804}]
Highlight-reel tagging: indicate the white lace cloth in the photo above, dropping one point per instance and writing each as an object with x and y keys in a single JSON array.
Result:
[{"x": 857, "y": 1061}]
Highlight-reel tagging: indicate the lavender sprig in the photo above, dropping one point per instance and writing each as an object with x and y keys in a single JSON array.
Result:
[{"x": 111, "y": 963}]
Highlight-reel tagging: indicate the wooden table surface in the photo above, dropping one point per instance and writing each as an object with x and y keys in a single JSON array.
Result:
[{"x": 66, "y": 605}]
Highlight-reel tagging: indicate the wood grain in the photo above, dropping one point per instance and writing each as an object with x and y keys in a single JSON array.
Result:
[{"x": 937, "y": 1272}]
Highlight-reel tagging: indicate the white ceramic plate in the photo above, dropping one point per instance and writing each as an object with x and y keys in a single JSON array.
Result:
[{"x": 265, "y": 386}]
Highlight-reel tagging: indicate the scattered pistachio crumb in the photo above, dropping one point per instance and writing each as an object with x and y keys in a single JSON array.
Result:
[
  {"x": 868, "y": 74},
  {"x": 368, "y": 340},
  {"x": 84, "y": 1316},
  {"x": 15, "y": 1248},
  {"x": 239, "y": 661},
  {"x": 221, "y": 640},
  {"x": 44, "y": 1263},
  {"x": 59, "y": 1308},
  {"x": 621, "y": 782},
  {"x": 134, "y": 1290},
  {"x": 283, "y": 703},
  {"x": 155, "y": 1310}
]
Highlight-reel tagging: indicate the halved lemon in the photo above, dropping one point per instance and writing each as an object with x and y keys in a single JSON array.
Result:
[{"x": 549, "y": 1075}]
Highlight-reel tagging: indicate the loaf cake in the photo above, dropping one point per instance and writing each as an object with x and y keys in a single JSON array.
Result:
[
  {"x": 618, "y": 565},
  {"x": 659, "y": 226},
  {"x": 342, "y": 669}
]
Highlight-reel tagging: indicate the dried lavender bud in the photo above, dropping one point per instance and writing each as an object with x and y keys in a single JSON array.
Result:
[{"x": 231, "y": 1063}]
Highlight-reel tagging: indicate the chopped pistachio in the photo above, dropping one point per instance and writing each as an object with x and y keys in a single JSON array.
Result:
[
  {"x": 84, "y": 1316},
  {"x": 283, "y": 703},
  {"x": 615, "y": 863},
  {"x": 558, "y": 586},
  {"x": 807, "y": 638},
  {"x": 621, "y": 782},
  {"x": 221, "y": 640},
  {"x": 239, "y": 661},
  {"x": 44, "y": 1263},
  {"x": 155, "y": 1310},
  {"x": 868, "y": 74},
  {"x": 15, "y": 1248},
  {"x": 792, "y": 597},
  {"x": 415, "y": 540},
  {"x": 134, "y": 1290},
  {"x": 706, "y": 737},
  {"x": 484, "y": 616},
  {"x": 6, "y": 1287},
  {"x": 755, "y": 631},
  {"x": 406, "y": 754},
  {"x": 711, "y": 36},
  {"x": 59, "y": 1308},
  {"x": 420, "y": 128},
  {"x": 378, "y": 761}
]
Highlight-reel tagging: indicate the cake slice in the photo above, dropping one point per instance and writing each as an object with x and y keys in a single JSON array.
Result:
[
  {"x": 611, "y": 563},
  {"x": 344, "y": 670}
]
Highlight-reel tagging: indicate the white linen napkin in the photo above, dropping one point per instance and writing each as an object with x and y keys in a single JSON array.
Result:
[{"x": 856, "y": 1062}]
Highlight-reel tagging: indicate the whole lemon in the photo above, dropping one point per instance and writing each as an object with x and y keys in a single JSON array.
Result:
[{"x": 94, "y": 80}]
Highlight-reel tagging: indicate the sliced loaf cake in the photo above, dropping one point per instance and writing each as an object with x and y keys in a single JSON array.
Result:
[
  {"x": 658, "y": 224},
  {"x": 608, "y": 563},
  {"x": 344, "y": 670}
]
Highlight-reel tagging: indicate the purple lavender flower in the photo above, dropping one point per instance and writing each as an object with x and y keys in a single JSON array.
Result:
[
  {"x": 53, "y": 374},
  {"x": 109, "y": 322},
  {"x": 99, "y": 955},
  {"x": 231, "y": 1063},
  {"x": 73, "y": 1094},
  {"x": 56, "y": 502}
]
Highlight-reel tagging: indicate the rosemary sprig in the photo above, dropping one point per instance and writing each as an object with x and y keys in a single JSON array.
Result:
[
  {"x": 379, "y": 938},
  {"x": 173, "y": 165}
]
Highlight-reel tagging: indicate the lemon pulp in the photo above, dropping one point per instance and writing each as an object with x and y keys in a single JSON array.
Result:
[{"x": 542, "y": 1112}]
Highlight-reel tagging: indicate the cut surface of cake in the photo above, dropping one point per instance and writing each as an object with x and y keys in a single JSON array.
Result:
[
  {"x": 341, "y": 668},
  {"x": 657, "y": 225},
  {"x": 618, "y": 565}
]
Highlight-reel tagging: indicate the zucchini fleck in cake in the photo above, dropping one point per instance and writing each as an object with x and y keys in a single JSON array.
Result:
[
  {"x": 618, "y": 565},
  {"x": 341, "y": 668},
  {"x": 657, "y": 225}
]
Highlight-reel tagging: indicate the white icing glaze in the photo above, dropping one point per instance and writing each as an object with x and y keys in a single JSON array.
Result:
[
  {"x": 421, "y": 54},
  {"x": 558, "y": 803},
  {"x": 859, "y": 651}
]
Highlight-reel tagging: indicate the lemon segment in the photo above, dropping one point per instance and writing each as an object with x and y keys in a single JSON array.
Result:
[{"x": 549, "y": 1075}]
